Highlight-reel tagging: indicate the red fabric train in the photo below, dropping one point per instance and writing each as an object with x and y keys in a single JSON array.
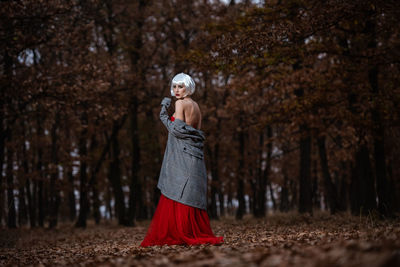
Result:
[{"x": 175, "y": 223}]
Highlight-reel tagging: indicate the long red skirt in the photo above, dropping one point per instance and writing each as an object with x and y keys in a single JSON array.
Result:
[{"x": 175, "y": 223}]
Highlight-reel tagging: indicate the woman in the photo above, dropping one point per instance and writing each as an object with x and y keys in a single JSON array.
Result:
[{"x": 181, "y": 216}]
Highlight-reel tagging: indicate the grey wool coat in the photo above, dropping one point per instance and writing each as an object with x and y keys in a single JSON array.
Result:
[{"x": 183, "y": 176}]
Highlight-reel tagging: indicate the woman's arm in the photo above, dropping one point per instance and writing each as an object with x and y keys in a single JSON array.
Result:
[{"x": 170, "y": 125}]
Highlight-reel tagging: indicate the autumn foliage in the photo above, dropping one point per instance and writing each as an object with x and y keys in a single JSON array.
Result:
[{"x": 299, "y": 101}]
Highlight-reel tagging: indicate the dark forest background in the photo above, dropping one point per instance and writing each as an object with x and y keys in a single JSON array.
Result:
[{"x": 299, "y": 101}]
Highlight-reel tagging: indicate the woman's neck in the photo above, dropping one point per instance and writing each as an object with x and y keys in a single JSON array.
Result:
[{"x": 185, "y": 98}]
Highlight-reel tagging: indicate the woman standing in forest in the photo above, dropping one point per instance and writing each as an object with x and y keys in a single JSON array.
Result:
[{"x": 181, "y": 216}]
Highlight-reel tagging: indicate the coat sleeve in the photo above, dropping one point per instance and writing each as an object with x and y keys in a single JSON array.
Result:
[{"x": 170, "y": 125}]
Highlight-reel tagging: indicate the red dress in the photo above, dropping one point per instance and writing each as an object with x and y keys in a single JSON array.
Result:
[{"x": 175, "y": 223}]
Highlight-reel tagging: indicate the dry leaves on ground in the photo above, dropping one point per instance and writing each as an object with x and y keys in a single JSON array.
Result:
[{"x": 278, "y": 240}]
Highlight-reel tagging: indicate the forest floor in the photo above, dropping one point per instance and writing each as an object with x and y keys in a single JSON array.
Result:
[{"x": 279, "y": 240}]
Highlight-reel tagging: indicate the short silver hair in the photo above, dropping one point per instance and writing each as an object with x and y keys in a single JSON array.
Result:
[{"x": 183, "y": 78}]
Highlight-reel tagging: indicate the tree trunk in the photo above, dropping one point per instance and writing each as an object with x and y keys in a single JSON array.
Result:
[
  {"x": 39, "y": 168},
  {"x": 330, "y": 188},
  {"x": 96, "y": 204},
  {"x": 135, "y": 187},
  {"x": 22, "y": 209},
  {"x": 46, "y": 198},
  {"x": 114, "y": 177},
  {"x": 55, "y": 198},
  {"x": 394, "y": 191},
  {"x": 294, "y": 190},
  {"x": 362, "y": 190},
  {"x": 82, "y": 146},
  {"x": 158, "y": 162},
  {"x": 253, "y": 196},
  {"x": 259, "y": 186},
  {"x": 385, "y": 198},
  {"x": 230, "y": 198},
  {"x": 305, "y": 200},
  {"x": 362, "y": 185},
  {"x": 241, "y": 176},
  {"x": 156, "y": 155},
  {"x": 22, "y": 177},
  {"x": 305, "y": 196},
  {"x": 221, "y": 202},
  {"x": 2, "y": 148},
  {"x": 31, "y": 205},
  {"x": 214, "y": 154},
  {"x": 315, "y": 195},
  {"x": 35, "y": 201},
  {"x": 284, "y": 203},
  {"x": 2, "y": 193},
  {"x": 343, "y": 193},
  {"x": 266, "y": 173},
  {"x": 11, "y": 220},
  {"x": 31, "y": 209},
  {"x": 70, "y": 176},
  {"x": 93, "y": 185},
  {"x": 262, "y": 175},
  {"x": 216, "y": 190},
  {"x": 7, "y": 64}
]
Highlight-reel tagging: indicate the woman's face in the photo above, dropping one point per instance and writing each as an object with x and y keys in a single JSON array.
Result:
[{"x": 179, "y": 90}]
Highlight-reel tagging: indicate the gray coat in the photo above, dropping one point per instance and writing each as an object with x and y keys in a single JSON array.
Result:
[{"x": 183, "y": 176}]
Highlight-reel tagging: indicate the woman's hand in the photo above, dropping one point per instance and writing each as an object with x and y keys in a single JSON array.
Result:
[{"x": 166, "y": 102}]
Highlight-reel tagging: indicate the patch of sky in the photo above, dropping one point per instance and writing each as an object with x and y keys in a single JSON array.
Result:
[
  {"x": 27, "y": 56},
  {"x": 321, "y": 55}
]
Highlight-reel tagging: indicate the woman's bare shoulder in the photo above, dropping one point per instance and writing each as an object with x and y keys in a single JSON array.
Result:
[
  {"x": 179, "y": 102},
  {"x": 196, "y": 105},
  {"x": 193, "y": 103}
]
